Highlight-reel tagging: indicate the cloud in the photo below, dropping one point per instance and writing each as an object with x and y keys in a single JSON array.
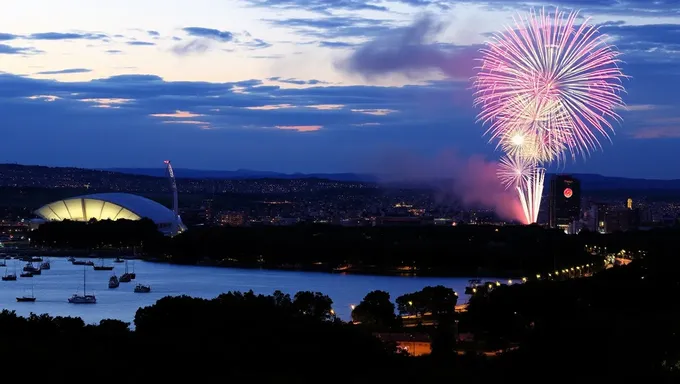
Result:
[
  {"x": 273, "y": 57},
  {"x": 195, "y": 46},
  {"x": 256, "y": 44},
  {"x": 64, "y": 71},
  {"x": 326, "y": 107},
  {"x": 374, "y": 112},
  {"x": 271, "y": 107},
  {"x": 411, "y": 51},
  {"x": 153, "y": 33},
  {"x": 297, "y": 81},
  {"x": 299, "y": 128},
  {"x": 140, "y": 43},
  {"x": 104, "y": 102},
  {"x": 608, "y": 7},
  {"x": 335, "y": 27},
  {"x": 10, "y": 50},
  {"x": 8, "y": 36},
  {"x": 209, "y": 33},
  {"x": 66, "y": 36},
  {"x": 320, "y": 6},
  {"x": 658, "y": 132},
  {"x": 238, "y": 122},
  {"x": 640, "y": 107},
  {"x": 336, "y": 44},
  {"x": 177, "y": 114}
]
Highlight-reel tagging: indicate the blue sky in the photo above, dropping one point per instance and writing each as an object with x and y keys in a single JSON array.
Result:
[{"x": 297, "y": 85}]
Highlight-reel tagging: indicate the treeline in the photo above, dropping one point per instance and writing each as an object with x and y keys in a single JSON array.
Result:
[
  {"x": 463, "y": 250},
  {"x": 96, "y": 234},
  {"x": 235, "y": 334}
]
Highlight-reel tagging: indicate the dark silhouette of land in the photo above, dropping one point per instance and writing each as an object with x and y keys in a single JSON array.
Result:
[{"x": 464, "y": 250}]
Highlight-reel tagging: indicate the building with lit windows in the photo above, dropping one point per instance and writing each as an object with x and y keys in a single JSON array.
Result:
[
  {"x": 112, "y": 206},
  {"x": 565, "y": 201}
]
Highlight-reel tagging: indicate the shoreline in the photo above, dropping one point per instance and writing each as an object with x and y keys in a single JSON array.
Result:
[{"x": 320, "y": 268}]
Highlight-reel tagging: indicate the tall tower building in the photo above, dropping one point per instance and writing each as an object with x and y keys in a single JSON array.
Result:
[
  {"x": 629, "y": 203},
  {"x": 564, "y": 200}
]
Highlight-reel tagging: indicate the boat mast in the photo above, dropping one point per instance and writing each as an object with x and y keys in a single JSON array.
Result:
[{"x": 84, "y": 283}]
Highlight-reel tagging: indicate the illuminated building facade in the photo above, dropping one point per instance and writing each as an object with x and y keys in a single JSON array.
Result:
[
  {"x": 111, "y": 206},
  {"x": 565, "y": 201}
]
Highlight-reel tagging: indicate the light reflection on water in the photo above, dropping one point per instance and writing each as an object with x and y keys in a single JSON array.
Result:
[{"x": 55, "y": 286}]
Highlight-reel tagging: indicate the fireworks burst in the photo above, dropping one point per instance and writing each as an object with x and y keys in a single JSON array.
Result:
[
  {"x": 514, "y": 171},
  {"x": 547, "y": 87}
]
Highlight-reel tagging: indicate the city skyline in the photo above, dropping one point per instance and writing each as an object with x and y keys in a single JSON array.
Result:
[{"x": 261, "y": 84}]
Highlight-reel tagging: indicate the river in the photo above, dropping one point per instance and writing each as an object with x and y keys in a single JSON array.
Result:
[{"x": 55, "y": 286}]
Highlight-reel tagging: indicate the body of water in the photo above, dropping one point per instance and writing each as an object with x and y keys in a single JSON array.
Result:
[{"x": 55, "y": 286}]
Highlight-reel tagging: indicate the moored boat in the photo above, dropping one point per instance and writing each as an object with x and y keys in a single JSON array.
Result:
[
  {"x": 141, "y": 288},
  {"x": 84, "y": 298},
  {"x": 113, "y": 282}
]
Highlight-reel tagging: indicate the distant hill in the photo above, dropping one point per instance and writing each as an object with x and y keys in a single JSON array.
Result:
[
  {"x": 592, "y": 182},
  {"x": 242, "y": 174},
  {"x": 589, "y": 182}
]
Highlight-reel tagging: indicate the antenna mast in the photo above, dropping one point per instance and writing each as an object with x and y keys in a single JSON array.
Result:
[{"x": 173, "y": 189}]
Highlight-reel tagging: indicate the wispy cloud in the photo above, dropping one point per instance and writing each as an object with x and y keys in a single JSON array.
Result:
[
  {"x": 320, "y": 6},
  {"x": 270, "y": 107},
  {"x": 661, "y": 132},
  {"x": 336, "y": 44},
  {"x": 374, "y": 112},
  {"x": 192, "y": 47},
  {"x": 299, "y": 128},
  {"x": 209, "y": 33},
  {"x": 178, "y": 114},
  {"x": 64, "y": 71},
  {"x": 639, "y": 107},
  {"x": 326, "y": 107},
  {"x": 113, "y": 103},
  {"x": 140, "y": 43},
  {"x": 10, "y": 50},
  {"x": 66, "y": 36},
  {"x": 297, "y": 81}
]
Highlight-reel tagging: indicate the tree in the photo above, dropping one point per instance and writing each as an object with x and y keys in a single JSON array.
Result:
[
  {"x": 375, "y": 309},
  {"x": 313, "y": 304},
  {"x": 440, "y": 302}
]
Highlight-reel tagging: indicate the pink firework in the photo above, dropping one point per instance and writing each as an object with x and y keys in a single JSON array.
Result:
[{"x": 548, "y": 73}]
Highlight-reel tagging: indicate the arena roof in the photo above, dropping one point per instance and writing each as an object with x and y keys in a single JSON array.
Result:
[{"x": 106, "y": 206}]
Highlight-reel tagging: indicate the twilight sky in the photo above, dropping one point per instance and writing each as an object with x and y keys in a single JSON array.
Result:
[{"x": 297, "y": 85}]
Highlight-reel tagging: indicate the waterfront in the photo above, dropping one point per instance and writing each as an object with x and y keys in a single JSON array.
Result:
[{"x": 56, "y": 285}]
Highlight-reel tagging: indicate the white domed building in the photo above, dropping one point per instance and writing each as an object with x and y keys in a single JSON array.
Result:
[{"x": 112, "y": 206}]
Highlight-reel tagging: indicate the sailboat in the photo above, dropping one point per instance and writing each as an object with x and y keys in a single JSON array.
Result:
[
  {"x": 10, "y": 277},
  {"x": 84, "y": 298},
  {"x": 27, "y": 299},
  {"x": 113, "y": 281},
  {"x": 133, "y": 275},
  {"x": 103, "y": 267},
  {"x": 126, "y": 277}
]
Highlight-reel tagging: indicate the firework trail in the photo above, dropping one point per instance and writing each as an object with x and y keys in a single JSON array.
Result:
[{"x": 547, "y": 88}]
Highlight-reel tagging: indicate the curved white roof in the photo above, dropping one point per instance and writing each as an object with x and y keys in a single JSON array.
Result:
[{"x": 106, "y": 206}]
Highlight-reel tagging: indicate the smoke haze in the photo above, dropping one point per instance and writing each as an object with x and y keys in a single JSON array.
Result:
[
  {"x": 473, "y": 180},
  {"x": 411, "y": 51}
]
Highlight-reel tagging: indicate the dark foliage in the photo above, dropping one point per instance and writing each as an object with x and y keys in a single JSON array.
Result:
[
  {"x": 96, "y": 234},
  {"x": 461, "y": 250}
]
